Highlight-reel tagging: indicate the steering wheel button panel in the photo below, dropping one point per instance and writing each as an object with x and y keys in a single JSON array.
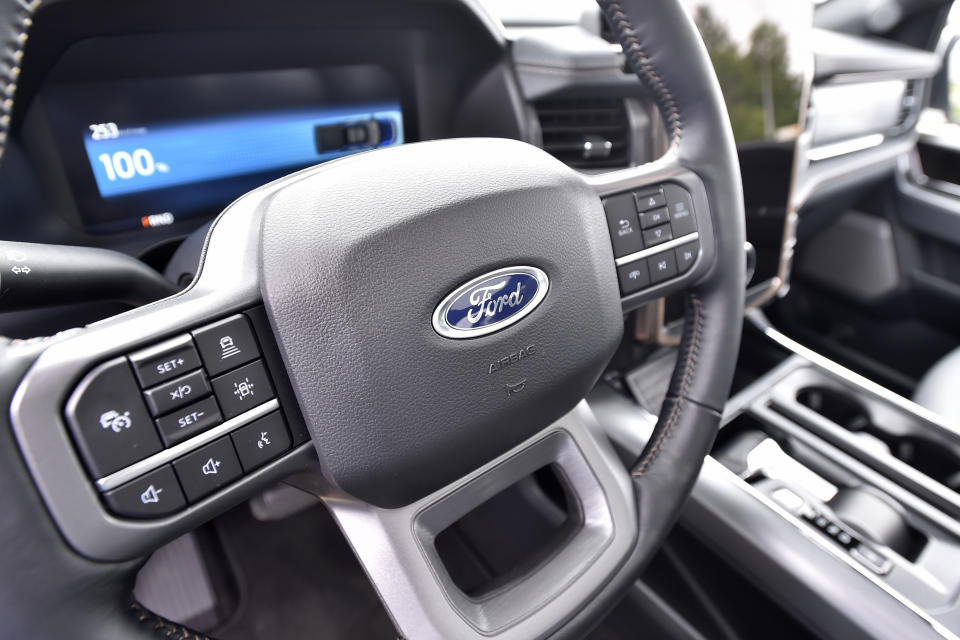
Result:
[
  {"x": 189, "y": 421},
  {"x": 243, "y": 389},
  {"x": 153, "y": 495},
  {"x": 226, "y": 344},
  {"x": 110, "y": 424},
  {"x": 165, "y": 361},
  {"x": 261, "y": 441},
  {"x": 207, "y": 469},
  {"x": 624, "y": 224},
  {"x": 176, "y": 393}
]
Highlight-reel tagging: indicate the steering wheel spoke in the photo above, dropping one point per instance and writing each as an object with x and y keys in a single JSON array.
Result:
[{"x": 397, "y": 546}]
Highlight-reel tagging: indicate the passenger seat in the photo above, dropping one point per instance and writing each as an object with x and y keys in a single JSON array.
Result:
[{"x": 939, "y": 389}]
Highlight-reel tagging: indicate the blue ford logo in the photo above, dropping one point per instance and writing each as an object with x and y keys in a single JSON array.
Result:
[{"x": 491, "y": 302}]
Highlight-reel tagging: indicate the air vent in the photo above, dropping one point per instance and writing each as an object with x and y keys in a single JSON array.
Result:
[
  {"x": 586, "y": 132},
  {"x": 909, "y": 102}
]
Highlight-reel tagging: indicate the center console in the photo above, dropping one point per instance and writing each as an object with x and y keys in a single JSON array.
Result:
[{"x": 836, "y": 496}]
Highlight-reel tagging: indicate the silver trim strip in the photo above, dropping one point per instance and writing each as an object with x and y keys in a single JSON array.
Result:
[
  {"x": 146, "y": 465},
  {"x": 844, "y": 147},
  {"x": 660, "y": 248}
]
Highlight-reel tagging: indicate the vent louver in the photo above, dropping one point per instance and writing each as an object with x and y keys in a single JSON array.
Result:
[{"x": 586, "y": 133}]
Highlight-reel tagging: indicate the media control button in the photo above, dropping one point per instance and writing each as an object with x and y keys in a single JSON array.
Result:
[
  {"x": 261, "y": 441},
  {"x": 623, "y": 224},
  {"x": 650, "y": 200},
  {"x": 176, "y": 393},
  {"x": 633, "y": 276},
  {"x": 109, "y": 421},
  {"x": 165, "y": 361},
  {"x": 226, "y": 344},
  {"x": 657, "y": 235},
  {"x": 189, "y": 421},
  {"x": 663, "y": 266},
  {"x": 687, "y": 255},
  {"x": 149, "y": 496},
  {"x": 207, "y": 469},
  {"x": 242, "y": 389}
]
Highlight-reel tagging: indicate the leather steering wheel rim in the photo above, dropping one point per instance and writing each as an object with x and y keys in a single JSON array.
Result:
[{"x": 48, "y": 589}]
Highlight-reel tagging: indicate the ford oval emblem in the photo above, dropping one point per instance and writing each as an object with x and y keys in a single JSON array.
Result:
[{"x": 492, "y": 302}]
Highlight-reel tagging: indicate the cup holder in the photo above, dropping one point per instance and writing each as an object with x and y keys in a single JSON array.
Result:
[{"x": 936, "y": 459}]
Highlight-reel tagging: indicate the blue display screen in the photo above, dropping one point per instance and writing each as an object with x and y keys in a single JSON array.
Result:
[{"x": 127, "y": 160}]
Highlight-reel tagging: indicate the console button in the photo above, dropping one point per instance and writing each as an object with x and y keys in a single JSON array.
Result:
[
  {"x": 226, "y": 344},
  {"x": 189, "y": 421},
  {"x": 657, "y": 235},
  {"x": 165, "y": 361},
  {"x": 150, "y": 496},
  {"x": 687, "y": 255},
  {"x": 650, "y": 200},
  {"x": 242, "y": 389},
  {"x": 633, "y": 276},
  {"x": 663, "y": 266},
  {"x": 653, "y": 218},
  {"x": 680, "y": 205},
  {"x": 261, "y": 441},
  {"x": 109, "y": 421},
  {"x": 207, "y": 469},
  {"x": 623, "y": 224},
  {"x": 177, "y": 393}
]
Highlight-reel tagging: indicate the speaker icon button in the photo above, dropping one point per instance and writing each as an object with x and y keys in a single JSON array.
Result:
[{"x": 207, "y": 469}]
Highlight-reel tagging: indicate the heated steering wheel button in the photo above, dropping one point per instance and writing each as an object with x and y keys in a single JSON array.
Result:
[
  {"x": 207, "y": 469},
  {"x": 623, "y": 224},
  {"x": 177, "y": 393},
  {"x": 663, "y": 266},
  {"x": 261, "y": 441},
  {"x": 110, "y": 424},
  {"x": 242, "y": 389},
  {"x": 189, "y": 421},
  {"x": 165, "y": 361},
  {"x": 226, "y": 344},
  {"x": 150, "y": 496},
  {"x": 633, "y": 276}
]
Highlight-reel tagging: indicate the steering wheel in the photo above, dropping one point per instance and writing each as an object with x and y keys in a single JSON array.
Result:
[{"x": 432, "y": 317}]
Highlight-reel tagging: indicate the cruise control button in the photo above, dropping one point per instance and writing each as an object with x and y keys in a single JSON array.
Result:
[
  {"x": 242, "y": 389},
  {"x": 177, "y": 393},
  {"x": 650, "y": 200},
  {"x": 663, "y": 266},
  {"x": 207, "y": 469},
  {"x": 657, "y": 235},
  {"x": 261, "y": 441},
  {"x": 189, "y": 421},
  {"x": 109, "y": 421},
  {"x": 687, "y": 255},
  {"x": 653, "y": 218},
  {"x": 150, "y": 496},
  {"x": 623, "y": 224},
  {"x": 165, "y": 361},
  {"x": 680, "y": 204},
  {"x": 226, "y": 344},
  {"x": 633, "y": 277}
]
